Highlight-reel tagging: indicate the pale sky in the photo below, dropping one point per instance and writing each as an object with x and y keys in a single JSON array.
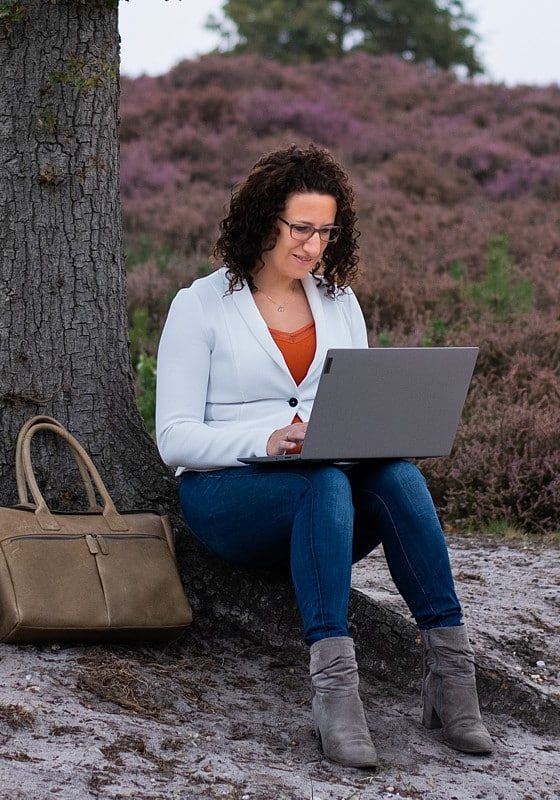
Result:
[{"x": 519, "y": 38}]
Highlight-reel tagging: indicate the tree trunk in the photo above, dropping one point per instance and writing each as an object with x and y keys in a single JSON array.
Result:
[{"x": 63, "y": 328}]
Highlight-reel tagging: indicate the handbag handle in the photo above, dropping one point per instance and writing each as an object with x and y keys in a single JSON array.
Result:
[
  {"x": 44, "y": 517},
  {"x": 20, "y": 476}
]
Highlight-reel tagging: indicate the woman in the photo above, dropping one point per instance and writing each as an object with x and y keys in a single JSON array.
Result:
[{"x": 238, "y": 366}]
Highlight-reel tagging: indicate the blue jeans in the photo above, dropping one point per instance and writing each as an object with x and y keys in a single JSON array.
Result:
[{"x": 320, "y": 519}]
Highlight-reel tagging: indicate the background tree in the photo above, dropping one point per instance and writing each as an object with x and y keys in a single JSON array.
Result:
[
  {"x": 285, "y": 30},
  {"x": 63, "y": 323},
  {"x": 437, "y": 31}
]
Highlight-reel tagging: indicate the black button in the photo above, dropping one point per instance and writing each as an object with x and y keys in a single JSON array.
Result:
[{"x": 293, "y": 402}]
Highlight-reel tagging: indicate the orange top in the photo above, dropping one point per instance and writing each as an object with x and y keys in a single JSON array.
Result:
[{"x": 298, "y": 348}]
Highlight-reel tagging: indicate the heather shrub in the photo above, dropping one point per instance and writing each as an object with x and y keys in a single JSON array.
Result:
[
  {"x": 139, "y": 97},
  {"x": 455, "y": 185},
  {"x": 391, "y": 300},
  {"x": 533, "y": 336},
  {"x": 535, "y": 131},
  {"x": 505, "y": 465},
  {"x": 482, "y": 105},
  {"x": 319, "y": 120},
  {"x": 186, "y": 143},
  {"x": 547, "y": 183},
  {"x": 483, "y": 157},
  {"x": 372, "y": 144},
  {"x": 506, "y": 460},
  {"x": 228, "y": 72},
  {"x": 201, "y": 118},
  {"x": 405, "y": 89},
  {"x": 408, "y": 308},
  {"x": 150, "y": 291},
  {"x": 184, "y": 218},
  {"x": 417, "y": 174},
  {"x": 142, "y": 175},
  {"x": 149, "y": 287},
  {"x": 214, "y": 106},
  {"x": 541, "y": 177}
]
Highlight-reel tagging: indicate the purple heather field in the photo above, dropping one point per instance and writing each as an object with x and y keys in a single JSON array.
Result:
[{"x": 458, "y": 190}]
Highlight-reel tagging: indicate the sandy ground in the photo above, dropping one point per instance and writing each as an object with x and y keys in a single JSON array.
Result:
[
  {"x": 223, "y": 718},
  {"x": 510, "y": 594}
]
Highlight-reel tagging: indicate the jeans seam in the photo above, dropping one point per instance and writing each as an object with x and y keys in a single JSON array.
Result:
[
  {"x": 313, "y": 554},
  {"x": 403, "y": 550}
]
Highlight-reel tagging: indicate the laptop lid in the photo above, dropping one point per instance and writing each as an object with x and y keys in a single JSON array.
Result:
[{"x": 387, "y": 402}]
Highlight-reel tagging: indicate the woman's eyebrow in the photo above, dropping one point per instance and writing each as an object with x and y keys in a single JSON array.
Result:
[{"x": 306, "y": 222}]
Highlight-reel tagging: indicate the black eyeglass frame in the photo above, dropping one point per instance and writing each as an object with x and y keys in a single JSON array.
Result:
[{"x": 331, "y": 230}]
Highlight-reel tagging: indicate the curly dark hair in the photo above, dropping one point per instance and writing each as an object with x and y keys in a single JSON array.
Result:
[{"x": 251, "y": 226}]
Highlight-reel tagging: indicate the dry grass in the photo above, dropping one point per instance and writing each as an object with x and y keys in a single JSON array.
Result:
[
  {"x": 16, "y": 716},
  {"x": 149, "y": 683},
  {"x": 64, "y": 730},
  {"x": 136, "y": 744},
  {"x": 118, "y": 680}
]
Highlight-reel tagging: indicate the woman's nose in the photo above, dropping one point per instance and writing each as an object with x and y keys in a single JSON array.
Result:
[{"x": 313, "y": 245}]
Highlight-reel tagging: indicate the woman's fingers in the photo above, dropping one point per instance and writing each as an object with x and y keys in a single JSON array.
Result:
[
  {"x": 286, "y": 439},
  {"x": 295, "y": 437}
]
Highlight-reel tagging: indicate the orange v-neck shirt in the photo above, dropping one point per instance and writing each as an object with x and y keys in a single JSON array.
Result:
[{"x": 298, "y": 348}]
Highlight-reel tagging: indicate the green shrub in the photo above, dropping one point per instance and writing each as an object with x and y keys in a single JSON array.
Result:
[
  {"x": 145, "y": 249},
  {"x": 499, "y": 293},
  {"x": 139, "y": 333},
  {"x": 384, "y": 339},
  {"x": 435, "y": 336},
  {"x": 146, "y": 390}
]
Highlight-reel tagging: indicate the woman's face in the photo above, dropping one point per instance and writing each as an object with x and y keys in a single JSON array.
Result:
[{"x": 295, "y": 259}]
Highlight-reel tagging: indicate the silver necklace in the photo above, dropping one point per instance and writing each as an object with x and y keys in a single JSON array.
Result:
[{"x": 279, "y": 306}]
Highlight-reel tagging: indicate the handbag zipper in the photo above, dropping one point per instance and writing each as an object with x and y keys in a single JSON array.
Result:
[{"x": 95, "y": 541}]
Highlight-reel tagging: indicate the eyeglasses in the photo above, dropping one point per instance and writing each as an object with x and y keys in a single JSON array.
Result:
[{"x": 302, "y": 233}]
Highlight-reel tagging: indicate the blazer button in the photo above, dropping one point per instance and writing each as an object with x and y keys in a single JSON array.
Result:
[{"x": 293, "y": 401}]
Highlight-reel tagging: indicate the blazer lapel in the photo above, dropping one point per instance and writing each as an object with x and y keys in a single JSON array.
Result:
[
  {"x": 249, "y": 313},
  {"x": 315, "y": 297}
]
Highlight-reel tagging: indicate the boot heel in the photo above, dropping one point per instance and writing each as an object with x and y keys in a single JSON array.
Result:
[{"x": 430, "y": 718}]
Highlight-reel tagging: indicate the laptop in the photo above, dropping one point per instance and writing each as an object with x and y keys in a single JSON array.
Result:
[{"x": 385, "y": 402}]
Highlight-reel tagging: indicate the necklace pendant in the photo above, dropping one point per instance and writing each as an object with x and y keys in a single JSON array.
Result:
[{"x": 281, "y": 308}]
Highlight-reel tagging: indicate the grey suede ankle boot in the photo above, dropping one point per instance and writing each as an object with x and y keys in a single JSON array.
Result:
[
  {"x": 449, "y": 698},
  {"x": 338, "y": 713}
]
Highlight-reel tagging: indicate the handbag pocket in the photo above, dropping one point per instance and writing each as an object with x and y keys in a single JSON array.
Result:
[
  {"x": 53, "y": 580},
  {"x": 104, "y": 584}
]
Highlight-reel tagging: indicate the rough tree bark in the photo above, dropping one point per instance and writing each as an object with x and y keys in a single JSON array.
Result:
[{"x": 63, "y": 329}]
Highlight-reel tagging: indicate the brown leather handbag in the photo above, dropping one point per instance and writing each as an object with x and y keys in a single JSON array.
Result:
[{"x": 98, "y": 575}]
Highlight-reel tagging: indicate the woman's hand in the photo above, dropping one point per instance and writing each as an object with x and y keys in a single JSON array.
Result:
[{"x": 284, "y": 440}]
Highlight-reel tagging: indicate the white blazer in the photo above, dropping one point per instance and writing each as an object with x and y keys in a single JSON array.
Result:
[{"x": 222, "y": 383}]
